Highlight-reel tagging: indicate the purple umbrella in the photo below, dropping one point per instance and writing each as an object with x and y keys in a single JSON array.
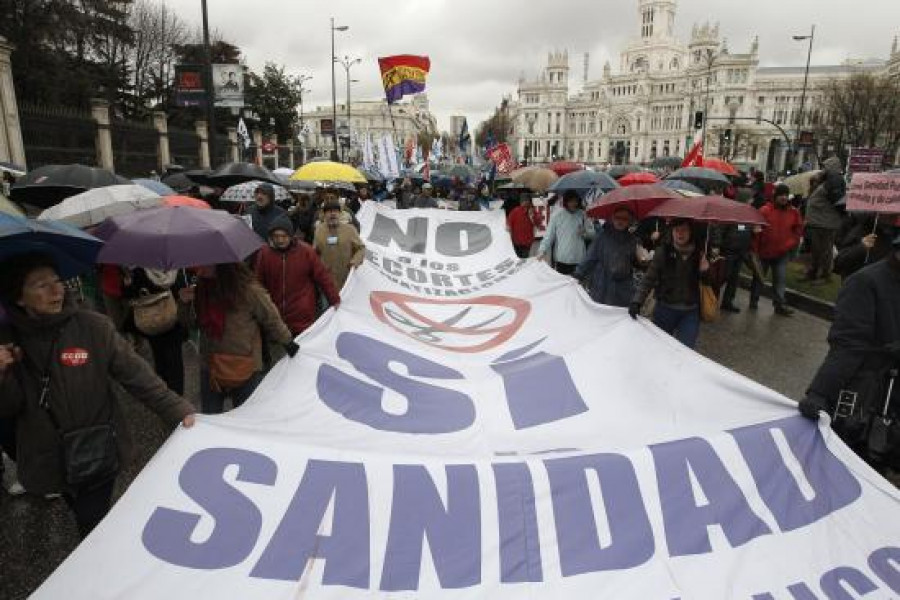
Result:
[{"x": 176, "y": 238}]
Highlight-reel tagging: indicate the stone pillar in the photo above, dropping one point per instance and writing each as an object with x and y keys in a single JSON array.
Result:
[
  {"x": 274, "y": 140},
  {"x": 291, "y": 155},
  {"x": 234, "y": 145},
  {"x": 11, "y": 147},
  {"x": 203, "y": 133},
  {"x": 161, "y": 124},
  {"x": 256, "y": 134},
  {"x": 100, "y": 113}
]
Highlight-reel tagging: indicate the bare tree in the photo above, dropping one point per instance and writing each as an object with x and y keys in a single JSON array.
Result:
[
  {"x": 158, "y": 31},
  {"x": 863, "y": 110}
]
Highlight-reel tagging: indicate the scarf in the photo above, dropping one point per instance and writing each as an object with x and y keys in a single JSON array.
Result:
[{"x": 210, "y": 312}]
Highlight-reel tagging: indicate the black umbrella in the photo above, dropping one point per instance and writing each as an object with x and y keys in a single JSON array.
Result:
[
  {"x": 51, "y": 184},
  {"x": 199, "y": 176},
  {"x": 179, "y": 182},
  {"x": 235, "y": 173},
  {"x": 706, "y": 179},
  {"x": 583, "y": 182}
]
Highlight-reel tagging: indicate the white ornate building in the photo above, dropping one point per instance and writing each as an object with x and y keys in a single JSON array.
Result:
[
  {"x": 646, "y": 108},
  {"x": 372, "y": 116}
]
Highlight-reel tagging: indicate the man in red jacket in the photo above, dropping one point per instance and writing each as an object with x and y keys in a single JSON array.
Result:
[
  {"x": 773, "y": 245},
  {"x": 291, "y": 271},
  {"x": 521, "y": 226}
]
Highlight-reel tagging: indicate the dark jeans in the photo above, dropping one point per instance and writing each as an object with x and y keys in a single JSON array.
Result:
[
  {"x": 8, "y": 439},
  {"x": 778, "y": 266},
  {"x": 522, "y": 251},
  {"x": 821, "y": 248},
  {"x": 90, "y": 503},
  {"x": 167, "y": 358},
  {"x": 681, "y": 323},
  {"x": 733, "y": 277},
  {"x": 565, "y": 268},
  {"x": 213, "y": 402}
]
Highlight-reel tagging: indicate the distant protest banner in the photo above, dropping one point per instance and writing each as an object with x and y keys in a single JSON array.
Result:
[
  {"x": 874, "y": 192},
  {"x": 469, "y": 425}
]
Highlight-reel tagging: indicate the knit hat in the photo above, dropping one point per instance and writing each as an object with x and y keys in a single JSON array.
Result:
[
  {"x": 282, "y": 223},
  {"x": 267, "y": 189}
]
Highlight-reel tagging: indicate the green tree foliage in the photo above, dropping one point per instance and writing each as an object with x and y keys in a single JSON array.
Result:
[
  {"x": 67, "y": 51},
  {"x": 274, "y": 96}
]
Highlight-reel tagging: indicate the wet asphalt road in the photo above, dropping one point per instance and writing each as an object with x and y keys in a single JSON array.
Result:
[{"x": 37, "y": 534}]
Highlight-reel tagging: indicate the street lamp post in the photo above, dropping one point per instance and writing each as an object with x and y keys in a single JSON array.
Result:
[
  {"x": 801, "y": 38},
  {"x": 333, "y": 88},
  {"x": 301, "y": 90},
  {"x": 347, "y": 63},
  {"x": 210, "y": 93},
  {"x": 710, "y": 61}
]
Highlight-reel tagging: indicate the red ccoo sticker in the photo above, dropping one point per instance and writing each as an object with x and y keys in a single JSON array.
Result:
[{"x": 74, "y": 357}]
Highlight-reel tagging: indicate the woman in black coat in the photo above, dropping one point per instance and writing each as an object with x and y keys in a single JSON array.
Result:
[{"x": 864, "y": 345}]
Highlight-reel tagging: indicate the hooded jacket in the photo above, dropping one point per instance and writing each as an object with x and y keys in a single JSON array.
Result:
[
  {"x": 83, "y": 362},
  {"x": 821, "y": 211},
  {"x": 262, "y": 218},
  {"x": 291, "y": 277},
  {"x": 783, "y": 233},
  {"x": 610, "y": 265}
]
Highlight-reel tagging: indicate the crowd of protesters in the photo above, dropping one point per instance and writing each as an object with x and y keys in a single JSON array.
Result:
[{"x": 247, "y": 315}]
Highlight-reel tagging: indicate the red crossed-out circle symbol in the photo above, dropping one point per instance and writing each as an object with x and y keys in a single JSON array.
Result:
[{"x": 464, "y": 325}]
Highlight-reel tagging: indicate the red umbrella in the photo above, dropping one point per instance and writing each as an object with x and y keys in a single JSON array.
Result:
[
  {"x": 564, "y": 167},
  {"x": 638, "y": 178},
  {"x": 709, "y": 209},
  {"x": 717, "y": 164},
  {"x": 639, "y": 199},
  {"x": 184, "y": 201}
]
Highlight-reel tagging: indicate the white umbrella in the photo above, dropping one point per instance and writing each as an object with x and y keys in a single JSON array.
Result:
[
  {"x": 243, "y": 192},
  {"x": 97, "y": 204}
]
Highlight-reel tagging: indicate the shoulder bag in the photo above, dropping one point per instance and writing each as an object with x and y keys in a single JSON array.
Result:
[
  {"x": 155, "y": 314},
  {"x": 89, "y": 454}
]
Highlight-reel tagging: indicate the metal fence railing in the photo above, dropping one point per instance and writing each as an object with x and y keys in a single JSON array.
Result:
[
  {"x": 135, "y": 148},
  {"x": 57, "y": 135}
]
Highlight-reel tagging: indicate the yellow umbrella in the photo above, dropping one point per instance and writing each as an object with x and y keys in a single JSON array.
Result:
[{"x": 326, "y": 170}]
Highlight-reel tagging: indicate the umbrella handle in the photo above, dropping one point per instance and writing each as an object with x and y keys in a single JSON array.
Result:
[{"x": 874, "y": 227}]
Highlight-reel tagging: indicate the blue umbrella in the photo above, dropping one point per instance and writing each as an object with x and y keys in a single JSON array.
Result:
[
  {"x": 156, "y": 186},
  {"x": 678, "y": 184},
  {"x": 583, "y": 182},
  {"x": 73, "y": 250}
]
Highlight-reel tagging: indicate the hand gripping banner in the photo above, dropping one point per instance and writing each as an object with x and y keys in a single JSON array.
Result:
[{"x": 470, "y": 425}]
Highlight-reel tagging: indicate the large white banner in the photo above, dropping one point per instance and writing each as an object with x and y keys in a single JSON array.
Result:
[{"x": 468, "y": 425}]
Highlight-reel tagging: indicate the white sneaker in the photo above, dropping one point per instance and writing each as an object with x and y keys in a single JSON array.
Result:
[
  {"x": 52, "y": 496},
  {"x": 15, "y": 488}
]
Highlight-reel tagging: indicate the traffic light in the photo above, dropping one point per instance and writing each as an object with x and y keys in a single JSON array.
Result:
[
  {"x": 698, "y": 119},
  {"x": 727, "y": 135}
]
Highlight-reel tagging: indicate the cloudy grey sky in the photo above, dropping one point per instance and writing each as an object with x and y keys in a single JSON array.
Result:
[{"x": 478, "y": 48}]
